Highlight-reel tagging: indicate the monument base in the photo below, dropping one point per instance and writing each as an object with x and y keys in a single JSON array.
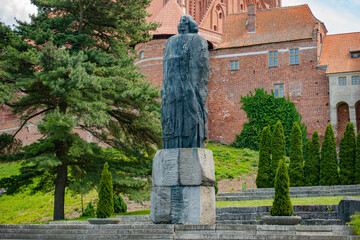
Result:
[{"x": 183, "y": 187}]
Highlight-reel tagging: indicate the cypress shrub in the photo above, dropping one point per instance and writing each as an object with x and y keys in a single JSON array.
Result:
[
  {"x": 282, "y": 203},
  {"x": 105, "y": 206},
  {"x": 277, "y": 150},
  {"x": 347, "y": 156},
  {"x": 312, "y": 161},
  {"x": 357, "y": 160},
  {"x": 328, "y": 164},
  {"x": 119, "y": 205},
  {"x": 262, "y": 178},
  {"x": 296, "y": 171},
  {"x": 89, "y": 211},
  {"x": 307, "y": 163}
]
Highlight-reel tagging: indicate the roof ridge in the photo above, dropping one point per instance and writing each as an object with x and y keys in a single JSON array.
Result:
[
  {"x": 272, "y": 9},
  {"x": 334, "y": 34}
]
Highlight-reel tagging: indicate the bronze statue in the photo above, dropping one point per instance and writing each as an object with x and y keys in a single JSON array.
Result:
[{"x": 184, "y": 92}]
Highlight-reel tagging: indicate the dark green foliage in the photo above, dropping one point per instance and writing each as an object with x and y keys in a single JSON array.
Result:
[
  {"x": 328, "y": 164},
  {"x": 282, "y": 203},
  {"x": 277, "y": 150},
  {"x": 78, "y": 72},
  {"x": 296, "y": 171},
  {"x": 216, "y": 187},
  {"x": 119, "y": 205},
  {"x": 105, "y": 206},
  {"x": 312, "y": 161},
  {"x": 8, "y": 144},
  {"x": 263, "y": 110},
  {"x": 357, "y": 160},
  {"x": 347, "y": 156},
  {"x": 264, "y": 171},
  {"x": 89, "y": 211}
]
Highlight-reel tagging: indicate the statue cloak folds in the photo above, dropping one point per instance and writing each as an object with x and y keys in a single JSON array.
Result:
[{"x": 184, "y": 92}]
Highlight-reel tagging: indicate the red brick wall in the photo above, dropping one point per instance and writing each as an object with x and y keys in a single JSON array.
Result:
[{"x": 343, "y": 115}]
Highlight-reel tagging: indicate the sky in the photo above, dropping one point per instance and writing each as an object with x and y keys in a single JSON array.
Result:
[{"x": 339, "y": 16}]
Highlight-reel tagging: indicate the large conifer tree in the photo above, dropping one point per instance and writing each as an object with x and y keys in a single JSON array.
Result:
[
  {"x": 277, "y": 149},
  {"x": 296, "y": 171},
  {"x": 73, "y": 66},
  {"x": 264, "y": 171},
  {"x": 329, "y": 162},
  {"x": 347, "y": 155}
]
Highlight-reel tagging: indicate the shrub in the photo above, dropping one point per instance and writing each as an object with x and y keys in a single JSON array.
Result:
[
  {"x": 105, "y": 207},
  {"x": 347, "y": 155},
  {"x": 264, "y": 171},
  {"x": 282, "y": 203},
  {"x": 296, "y": 157},
  {"x": 357, "y": 160},
  {"x": 263, "y": 109},
  {"x": 355, "y": 222},
  {"x": 89, "y": 211},
  {"x": 307, "y": 163},
  {"x": 277, "y": 149},
  {"x": 315, "y": 159},
  {"x": 119, "y": 205},
  {"x": 328, "y": 164},
  {"x": 216, "y": 187}
]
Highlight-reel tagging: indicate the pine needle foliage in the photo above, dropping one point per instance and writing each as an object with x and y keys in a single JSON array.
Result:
[
  {"x": 277, "y": 150},
  {"x": 263, "y": 109},
  {"x": 105, "y": 206},
  {"x": 357, "y": 160},
  {"x": 119, "y": 205},
  {"x": 264, "y": 171},
  {"x": 282, "y": 203},
  {"x": 347, "y": 155},
  {"x": 296, "y": 171},
  {"x": 329, "y": 163}
]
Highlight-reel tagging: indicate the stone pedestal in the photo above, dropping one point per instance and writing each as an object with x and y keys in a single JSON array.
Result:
[{"x": 183, "y": 186}]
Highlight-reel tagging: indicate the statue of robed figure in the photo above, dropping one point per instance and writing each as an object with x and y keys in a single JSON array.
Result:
[{"x": 184, "y": 92}]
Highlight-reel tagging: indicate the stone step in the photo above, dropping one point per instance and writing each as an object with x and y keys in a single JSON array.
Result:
[
  {"x": 136, "y": 219},
  {"x": 86, "y": 236},
  {"x": 262, "y": 209},
  {"x": 253, "y": 216},
  {"x": 306, "y": 192}
]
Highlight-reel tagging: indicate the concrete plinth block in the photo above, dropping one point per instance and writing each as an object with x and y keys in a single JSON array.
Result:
[
  {"x": 183, "y": 167},
  {"x": 183, "y": 205}
]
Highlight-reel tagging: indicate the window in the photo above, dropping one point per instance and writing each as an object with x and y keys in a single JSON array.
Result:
[
  {"x": 355, "y": 80},
  {"x": 294, "y": 56},
  {"x": 355, "y": 54},
  {"x": 273, "y": 60},
  {"x": 234, "y": 65},
  {"x": 279, "y": 90},
  {"x": 142, "y": 54},
  {"x": 214, "y": 27},
  {"x": 219, "y": 15},
  {"x": 342, "y": 81}
]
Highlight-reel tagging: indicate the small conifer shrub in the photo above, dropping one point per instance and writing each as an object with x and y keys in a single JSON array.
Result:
[
  {"x": 277, "y": 149},
  {"x": 357, "y": 160},
  {"x": 282, "y": 203},
  {"x": 264, "y": 171},
  {"x": 89, "y": 211},
  {"x": 347, "y": 156},
  {"x": 296, "y": 157},
  {"x": 328, "y": 165},
  {"x": 307, "y": 163},
  {"x": 119, "y": 205},
  {"x": 105, "y": 206}
]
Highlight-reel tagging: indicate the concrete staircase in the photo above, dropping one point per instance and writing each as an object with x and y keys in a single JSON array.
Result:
[
  {"x": 310, "y": 214},
  {"x": 295, "y": 192},
  {"x": 175, "y": 232}
]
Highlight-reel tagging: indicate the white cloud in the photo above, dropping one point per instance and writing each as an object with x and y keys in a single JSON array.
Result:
[{"x": 19, "y": 9}]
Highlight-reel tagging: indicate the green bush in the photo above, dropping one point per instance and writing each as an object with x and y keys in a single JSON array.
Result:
[
  {"x": 328, "y": 164},
  {"x": 347, "y": 156},
  {"x": 89, "y": 211},
  {"x": 296, "y": 171},
  {"x": 314, "y": 174},
  {"x": 119, "y": 205},
  {"x": 355, "y": 222},
  {"x": 105, "y": 207},
  {"x": 263, "y": 109},
  {"x": 277, "y": 150},
  {"x": 282, "y": 203},
  {"x": 357, "y": 160},
  {"x": 264, "y": 171},
  {"x": 307, "y": 163},
  {"x": 216, "y": 187}
]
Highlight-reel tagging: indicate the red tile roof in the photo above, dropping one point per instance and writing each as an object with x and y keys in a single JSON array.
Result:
[
  {"x": 272, "y": 25},
  {"x": 154, "y": 9},
  {"x": 336, "y": 52},
  {"x": 169, "y": 17}
]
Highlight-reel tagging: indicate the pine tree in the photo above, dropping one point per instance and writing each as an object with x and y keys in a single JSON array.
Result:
[
  {"x": 312, "y": 162},
  {"x": 277, "y": 149},
  {"x": 357, "y": 160},
  {"x": 347, "y": 156},
  {"x": 307, "y": 163},
  {"x": 74, "y": 66},
  {"x": 329, "y": 162},
  {"x": 282, "y": 203},
  {"x": 262, "y": 178},
  {"x": 119, "y": 205},
  {"x": 105, "y": 206},
  {"x": 296, "y": 157}
]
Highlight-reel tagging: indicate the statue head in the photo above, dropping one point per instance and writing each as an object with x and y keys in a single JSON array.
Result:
[{"x": 187, "y": 25}]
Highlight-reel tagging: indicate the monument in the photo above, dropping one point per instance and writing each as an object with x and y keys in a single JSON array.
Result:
[{"x": 183, "y": 174}]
